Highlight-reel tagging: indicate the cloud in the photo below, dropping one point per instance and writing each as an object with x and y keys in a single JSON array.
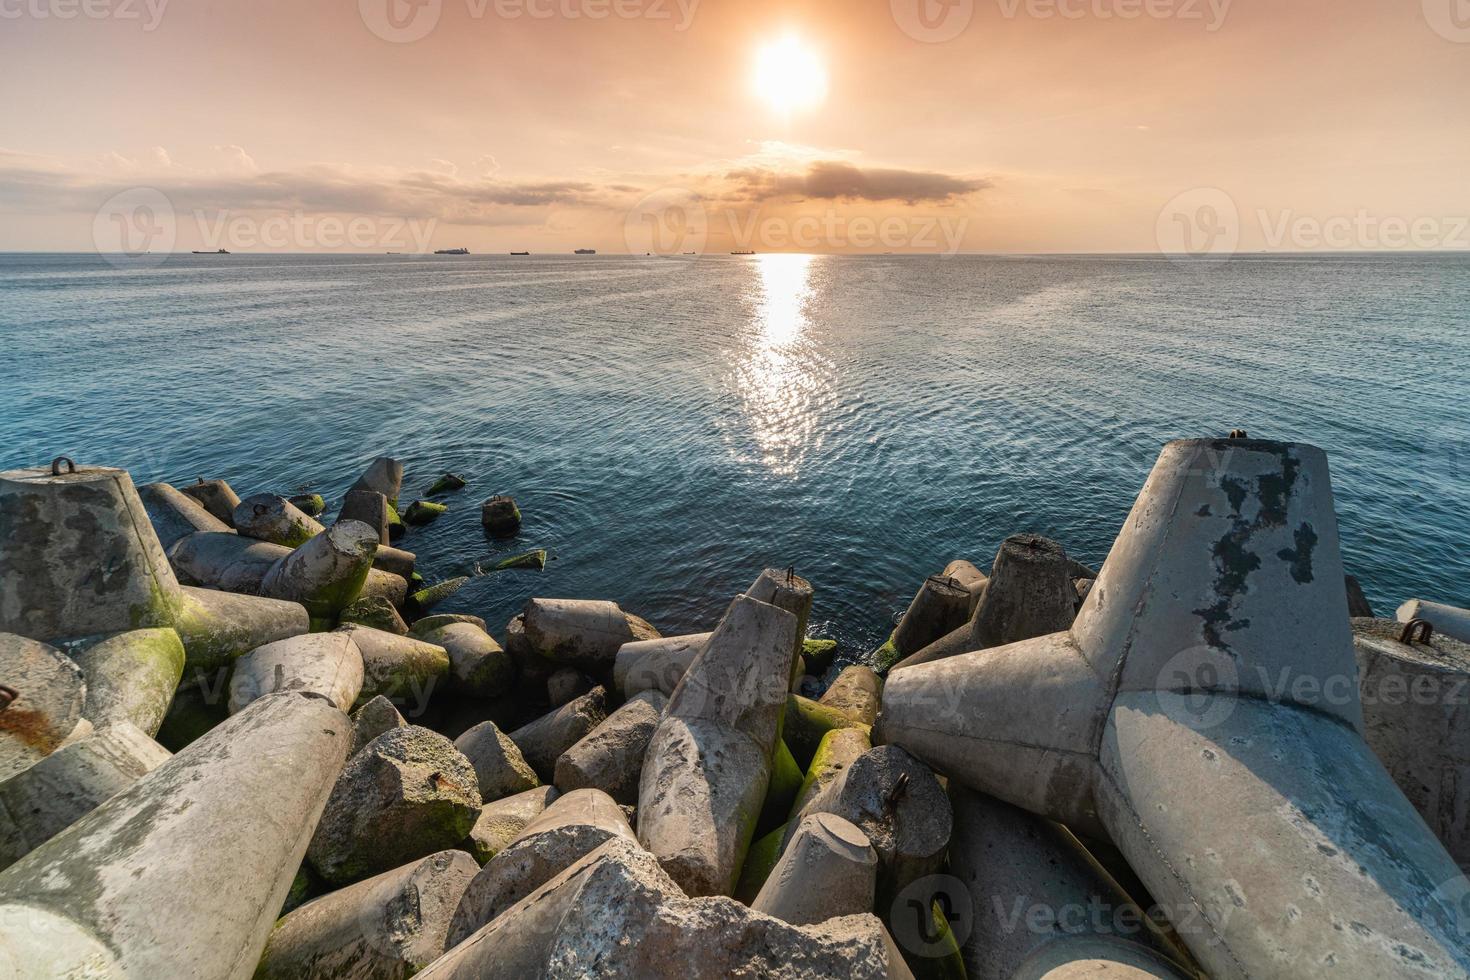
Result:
[{"x": 840, "y": 180}]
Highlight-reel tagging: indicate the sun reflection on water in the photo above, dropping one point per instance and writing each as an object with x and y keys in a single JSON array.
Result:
[{"x": 777, "y": 375}]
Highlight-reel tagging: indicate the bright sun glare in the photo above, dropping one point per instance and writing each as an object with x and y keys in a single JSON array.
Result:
[{"x": 789, "y": 76}]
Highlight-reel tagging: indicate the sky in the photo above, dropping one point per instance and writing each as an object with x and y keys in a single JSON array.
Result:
[{"x": 1199, "y": 126}]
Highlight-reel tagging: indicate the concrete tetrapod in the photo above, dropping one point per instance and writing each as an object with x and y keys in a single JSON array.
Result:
[
  {"x": 1449, "y": 620},
  {"x": 616, "y": 908},
  {"x": 656, "y": 665},
  {"x": 58, "y": 529},
  {"x": 584, "y": 633},
  {"x": 398, "y": 667},
  {"x": 857, "y": 692},
  {"x": 43, "y": 703},
  {"x": 1166, "y": 697},
  {"x": 828, "y": 870},
  {"x": 174, "y": 514},
  {"x": 327, "y": 664},
  {"x": 70, "y": 783},
  {"x": 131, "y": 677},
  {"x": 709, "y": 761},
  {"x": 1414, "y": 698},
  {"x": 544, "y": 740},
  {"x": 137, "y": 888},
  {"x": 373, "y": 719},
  {"x": 502, "y": 821},
  {"x": 574, "y": 825},
  {"x": 789, "y": 591},
  {"x": 969, "y": 578},
  {"x": 610, "y": 757},
  {"x": 480, "y": 667},
  {"x": 217, "y": 497},
  {"x": 267, "y": 517},
  {"x": 369, "y": 507},
  {"x": 389, "y": 926},
  {"x": 499, "y": 766},
  {"x": 1030, "y": 893}
]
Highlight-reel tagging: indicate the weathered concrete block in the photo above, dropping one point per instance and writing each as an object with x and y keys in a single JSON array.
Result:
[
  {"x": 444, "y": 619},
  {"x": 655, "y": 665},
  {"x": 829, "y": 869},
  {"x": 407, "y": 794},
  {"x": 501, "y": 517},
  {"x": 327, "y": 572},
  {"x": 395, "y": 561},
  {"x": 374, "y": 611},
  {"x": 1167, "y": 696},
  {"x": 174, "y": 514},
  {"x": 544, "y": 740},
  {"x": 422, "y": 600},
  {"x": 709, "y": 761},
  {"x": 216, "y": 627},
  {"x": 899, "y": 804},
  {"x": 583, "y": 633},
  {"x": 447, "y": 483},
  {"x": 215, "y": 496},
  {"x": 131, "y": 677},
  {"x": 857, "y": 692},
  {"x": 789, "y": 591},
  {"x": 137, "y": 888},
  {"x": 44, "y": 701},
  {"x": 373, "y": 719},
  {"x": 941, "y": 606},
  {"x": 1030, "y": 593},
  {"x": 499, "y": 765},
  {"x": 839, "y": 749},
  {"x": 480, "y": 667},
  {"x": 384, "y": 475},
  {"x": 391, "y": 925},
  {"x": 310, "y": 504},
  {"x": 818, "y": 655},
  {"x": 969, "y": 578},
  {"x": 267, "y": 517},
  {"x": 617, "y": 909},
  {"x": 1414, "y": 698},
  {"x": 1449, "y": 620},
  {"x": 325, "y": 664},
  {"x": 502, "y": 821},
  {"x": 565, "y": 685},
  {"x": 370, "y": 507},
  {"x": 807, "y": 722},
  {"x": 610, "y": 757},
  {"x": 397, "y": 667},
  {"x": 1032, "y": 894},
  {"x": 422, "y": 513},
  {"x": 56, "y": 792},
  {"x": 574, "y": 825}
]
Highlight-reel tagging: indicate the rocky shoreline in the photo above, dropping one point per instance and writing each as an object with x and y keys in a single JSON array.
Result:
[{"x": 237, "y": 740}]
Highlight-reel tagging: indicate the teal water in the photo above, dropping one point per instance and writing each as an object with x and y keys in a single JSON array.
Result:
[{"x": 670, "y": 426}]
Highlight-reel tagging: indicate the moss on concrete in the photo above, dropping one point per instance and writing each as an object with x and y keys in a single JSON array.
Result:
[
  {"x": 885, "y": 657},
  {"x": 807, "y": 723},
  {"x": 760, "y": 860},
  {"x": 535, "y": 560},
  {"x": 786, "y": 779},
  {"x": 423, "y": 512}
]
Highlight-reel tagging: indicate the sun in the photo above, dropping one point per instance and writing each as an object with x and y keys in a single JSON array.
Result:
[{"x": 789, "y": 76}]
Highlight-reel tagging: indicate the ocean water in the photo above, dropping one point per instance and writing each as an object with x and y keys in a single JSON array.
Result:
[{"x": 670, "y": 426}]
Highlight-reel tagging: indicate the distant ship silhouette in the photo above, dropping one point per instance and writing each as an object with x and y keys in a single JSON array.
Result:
[
  {"x": 452, "y": 251},
  {"x": 585, "y": 251},
  {"x": 215, "y": 252}
]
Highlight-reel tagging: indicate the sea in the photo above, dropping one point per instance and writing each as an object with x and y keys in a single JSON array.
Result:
[{"x": 669, "y": 426}]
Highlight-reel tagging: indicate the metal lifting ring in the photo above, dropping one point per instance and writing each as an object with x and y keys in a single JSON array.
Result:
[{"x": 56, "y": 465}]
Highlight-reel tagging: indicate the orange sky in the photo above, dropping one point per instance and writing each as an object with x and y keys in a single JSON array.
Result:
[{"x": 1040, "y": 126}]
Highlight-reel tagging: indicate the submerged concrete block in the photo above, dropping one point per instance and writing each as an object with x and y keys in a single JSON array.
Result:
[
  {"x": 217, "y": 497},
  {"x": 857, "y": 692},
  {"x": 499, "y": 765},
  {"x": 709, "y": 761},
  {"x": 310, "y": 504},
  {"x": 407, "y": 794},
  {"x": 501, "y": 517},
  {"x": 544, "y": 740},
  {"x": 1450, "y": 620},
  {"x": 829, "y": 869},
  {"x": 174, "y": 514},
  {"x": 384, "y": 475},
  {"x": 396, "y": 666},
  {"x": 617, "y": 909},
  {"x": 131, "y": 677},
  {"x": 267, "y": 517},
  {"x": 1415, "y": 695},
  {"x": 137, "y": 888},
  {"x": 56, "y": 792},
  {"x": 1167, "y": 696},
  {"x": 655, "y": 665},
  {"x": 42, "y": 701},
  {"x": 902, "y": 808},
  {"x": 480, "y": 667},
  {"x": 391, "y": 925},
  {"x": 585, "y": 633},
  {"x": 610, "y": 757},
  {"x": 325, "y": 664},
  {"x": 502, "y": 821},
  {"x": 574, "y": 825}
]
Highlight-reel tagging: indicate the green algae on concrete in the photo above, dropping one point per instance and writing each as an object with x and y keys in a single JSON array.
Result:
[
  {"x": 885, "y": 657},
  {"x": 310, "y": 504},
  {"x": 448, "y": 483},
  {"x": 423, "y": 600},
  {"x": 535, "y": 560},
  {"x": 807, "y": 723},
  {"x": 131, "y": 677},
  {"x": 759, "y": 861},
  {"x": 818, "y": 655},
  {"x": 786, "y": 781},
  {"x": 423, "y": 512}
]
